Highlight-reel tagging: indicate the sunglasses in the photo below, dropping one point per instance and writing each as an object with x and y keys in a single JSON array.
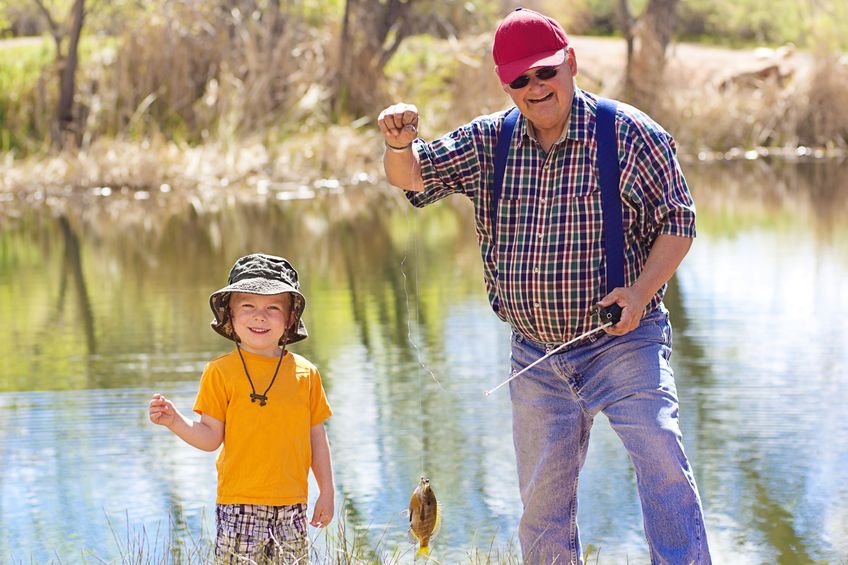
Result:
[{"x": 545, "y": 73}]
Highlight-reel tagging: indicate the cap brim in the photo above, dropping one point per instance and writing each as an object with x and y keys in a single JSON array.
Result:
[
  {"x": 258, "y": 286},
  {"x": 511, "y": 71}
]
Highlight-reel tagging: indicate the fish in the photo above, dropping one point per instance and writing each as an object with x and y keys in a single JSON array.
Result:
[{"x": 424, "y": 516}]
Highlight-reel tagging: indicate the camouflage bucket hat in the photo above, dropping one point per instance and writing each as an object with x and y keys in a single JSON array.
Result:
[{"x": 259, "y": 274}]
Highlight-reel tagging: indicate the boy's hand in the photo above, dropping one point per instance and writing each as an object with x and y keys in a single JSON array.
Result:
[
  {"x": 162, "y": 411},
  {"x": 323, "y": 513}
]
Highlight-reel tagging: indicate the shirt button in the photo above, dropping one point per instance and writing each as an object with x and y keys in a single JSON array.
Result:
[
  {"x": 537, "y": 305},
  {"x": 544, "y": 200},
  {"x": 540, "y": 235},
  {"x": 536, "y": 270}
]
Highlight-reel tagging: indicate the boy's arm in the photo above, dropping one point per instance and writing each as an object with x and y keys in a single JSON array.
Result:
[
  {"x": 322, "y": 468},
  {"x": 207, "y": 434}
]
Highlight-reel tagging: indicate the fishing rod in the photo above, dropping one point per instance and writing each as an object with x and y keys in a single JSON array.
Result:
[{"x": 610, "y": 315}]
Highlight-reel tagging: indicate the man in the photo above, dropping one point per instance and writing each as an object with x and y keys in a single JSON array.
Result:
[{"x": 546, "y": 269}]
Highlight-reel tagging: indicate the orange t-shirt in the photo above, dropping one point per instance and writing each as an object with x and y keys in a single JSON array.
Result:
[{"x": 267, "y": 450}]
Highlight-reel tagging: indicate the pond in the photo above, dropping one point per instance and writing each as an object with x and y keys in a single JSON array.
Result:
[{"x": 102, "y": 308}]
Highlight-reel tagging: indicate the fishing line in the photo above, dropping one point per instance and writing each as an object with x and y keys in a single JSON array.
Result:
[
  {"x": 412, "y": 236},
  {"x": 410, "y": 333},
  {"x": 409, "y": 336}
]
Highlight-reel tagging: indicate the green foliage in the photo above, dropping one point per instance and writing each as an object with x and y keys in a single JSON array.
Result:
[
  {"x": 316, "y": 12},
  {"x": 733, "y": 22},
  {"x": 749, "y": 22},
  {"x": 28, "y": 87},
  {"x": 422, "y": 57},
  {"x": 829, "y": 26},
  {"x": 21, "y": 64}
]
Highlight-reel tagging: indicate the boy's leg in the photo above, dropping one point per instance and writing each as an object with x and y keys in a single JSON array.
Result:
[
  {"x": 551, "y": 434},
  {"x": 631, "y": 380},
  {"x": 287, "y": 531},
  {"x": 236, "y": 533}
]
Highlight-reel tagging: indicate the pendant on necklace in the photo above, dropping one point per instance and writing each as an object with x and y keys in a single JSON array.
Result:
[{"x": 263, "y": 400}]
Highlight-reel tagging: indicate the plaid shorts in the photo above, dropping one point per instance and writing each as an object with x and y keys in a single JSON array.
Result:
[{"x": 263, "y": 534}]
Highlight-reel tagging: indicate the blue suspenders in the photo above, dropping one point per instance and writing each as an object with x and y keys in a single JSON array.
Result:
[{"x": 609, "y": 180}]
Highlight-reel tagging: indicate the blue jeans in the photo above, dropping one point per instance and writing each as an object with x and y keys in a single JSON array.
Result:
[{"x": 629, "y": 379}]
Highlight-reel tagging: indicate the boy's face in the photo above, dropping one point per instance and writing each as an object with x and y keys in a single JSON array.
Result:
[{"x": 260, "y": 321}]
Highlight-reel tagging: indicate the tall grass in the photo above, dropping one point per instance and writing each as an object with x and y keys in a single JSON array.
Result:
[
  {"x": 825, "y": 116},
  {"x": 808, "y": 108},
  {"x": 21, "y": 115},
  {"x": 336, "y": 545},
  {"x": 195, "y": 74},
  {"x": 206, "y": 73}
]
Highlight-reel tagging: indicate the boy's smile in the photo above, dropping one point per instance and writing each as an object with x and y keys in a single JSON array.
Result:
[{"x": 260, "y": 321}]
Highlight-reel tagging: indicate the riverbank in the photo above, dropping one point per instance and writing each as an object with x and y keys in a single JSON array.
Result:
[{"x": 723, "y": 104}]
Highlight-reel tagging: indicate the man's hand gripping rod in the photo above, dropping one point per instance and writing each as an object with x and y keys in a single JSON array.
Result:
[{"x": 609, "y": 315}]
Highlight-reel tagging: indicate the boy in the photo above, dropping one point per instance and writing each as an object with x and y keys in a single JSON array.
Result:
[{"x": 267, "y": 406}]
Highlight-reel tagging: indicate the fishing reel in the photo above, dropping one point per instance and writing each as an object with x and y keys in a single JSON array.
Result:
[{"x": 610, "y": 314}]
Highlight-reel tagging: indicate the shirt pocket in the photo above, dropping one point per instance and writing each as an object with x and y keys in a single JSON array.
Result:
[
  {"x": 517, "y": 223},
  {"x": 579, "y": 189},
  {"x": 515, "y": 239}
]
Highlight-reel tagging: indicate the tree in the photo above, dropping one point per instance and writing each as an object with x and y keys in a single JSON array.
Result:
[
  {"x": 373, "y": 30},
  {"x": 371, "y": 33},
  {"x": 67, "y": 61},
  {"x": 647, "y": 40}
]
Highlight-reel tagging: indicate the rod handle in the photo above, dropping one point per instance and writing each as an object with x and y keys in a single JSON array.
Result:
[{"x": 610, "y": 314}]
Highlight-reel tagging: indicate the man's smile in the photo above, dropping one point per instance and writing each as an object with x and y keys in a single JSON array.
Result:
[{"x": 540, "y": 100}]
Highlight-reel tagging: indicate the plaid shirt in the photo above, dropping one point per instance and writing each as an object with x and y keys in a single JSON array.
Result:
[{"x": 545, "y": 268}]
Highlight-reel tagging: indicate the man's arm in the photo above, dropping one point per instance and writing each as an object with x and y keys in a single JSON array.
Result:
[
  {"x": 665, "y": 256},
  {"x": 399, "y": 125}
]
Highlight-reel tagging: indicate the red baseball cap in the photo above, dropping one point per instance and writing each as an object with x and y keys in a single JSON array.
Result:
[{"x": 526, "y": 39}]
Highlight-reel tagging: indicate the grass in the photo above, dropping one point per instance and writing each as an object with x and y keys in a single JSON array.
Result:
[
  {"x": 21, "y": 64},
  {"x": 336, "y": 545},
  {"x": 27, "y": 85}
]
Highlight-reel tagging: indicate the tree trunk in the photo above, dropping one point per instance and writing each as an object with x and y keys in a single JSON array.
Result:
[
  {"x": 648, "y": 39},
  {"x": 627, "y": 24},
  {"x": 67, "y": 78},
  {"x": 371, "y": 33}
]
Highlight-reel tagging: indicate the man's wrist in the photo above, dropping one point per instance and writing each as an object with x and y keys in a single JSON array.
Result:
[{"x": 394, "y": 149}]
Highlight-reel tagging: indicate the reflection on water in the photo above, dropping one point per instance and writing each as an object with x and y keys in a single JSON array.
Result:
[{"x": 98, "y": 314}]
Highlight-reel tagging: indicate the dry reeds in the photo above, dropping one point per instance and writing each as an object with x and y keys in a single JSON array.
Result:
[
  {"x": 204, "y": 72},
  {"x": 824, "y": 119},
  {"x": 802, "y": 105}
]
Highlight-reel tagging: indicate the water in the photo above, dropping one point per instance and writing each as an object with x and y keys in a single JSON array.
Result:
[{"x": 101, "y": 309}]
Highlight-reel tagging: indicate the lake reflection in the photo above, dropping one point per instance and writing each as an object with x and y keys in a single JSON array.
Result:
[{"x": 99, "y": 313}]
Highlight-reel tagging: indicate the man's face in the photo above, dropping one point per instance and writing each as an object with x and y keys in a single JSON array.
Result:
[{"x": 547, "y": 102}]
